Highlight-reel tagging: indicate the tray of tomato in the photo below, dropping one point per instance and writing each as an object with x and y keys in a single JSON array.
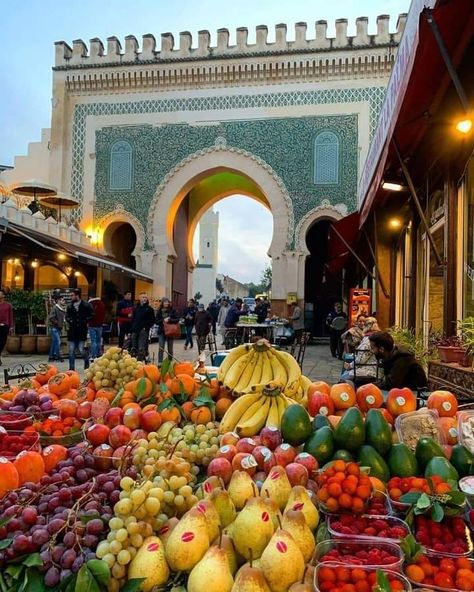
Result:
[
  {"x": 343, "y": 487},
  {"x": 11, "y": 443},
  {"x": 450, "y": 537},
  {"x": 442, "y": 573},
  {"x": 398, "y": 486},
  {"x": 353, "y": 552},
  {"x": 338, "y": 577},
  {"x": 56, "y": 430},
  {"x": 390, "y": 528}
]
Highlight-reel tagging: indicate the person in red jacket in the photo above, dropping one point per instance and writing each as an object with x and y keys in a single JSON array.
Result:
[
  {"x": 6, "y": 321},
  {"x": 124, "y": 316},
  {"x": 95, "y": 326}
]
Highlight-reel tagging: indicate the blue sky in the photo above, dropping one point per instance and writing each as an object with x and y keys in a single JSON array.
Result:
[{"x": 30, "y": 28}]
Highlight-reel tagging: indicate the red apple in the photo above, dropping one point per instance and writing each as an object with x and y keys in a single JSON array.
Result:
[
  {"x": 228, "y": 451},
  {"x": 308, "y": 461},
  {"x": 98, "y": 434},
  {"x": 257, "y": 440},
  {"x": 269, "y": 462},
  {"x": 117, "y": 456},
  {"x": 220, "y": 467},
  {"x": 312, "y": 487},
  {"x": 113, "y": 417},
  {"x": 271, "y": 437},
  {"x": 245, "y": 445},
  {"x": 119, "y": 436},
  {"x": 261, "y": 454},
  {"x": 84, "y": 410},
  {"x": 230, "y": 438},
  {"x": 285, "y": 454},
  {"x": 131, "y": 418},
  {"x": 297, "y": 474},
  {"x": 150, "y": 420},
  {"x": 320, "y": 403},
  {"x": 244, "y": 462},
  {"x": 103, "y": 457}
]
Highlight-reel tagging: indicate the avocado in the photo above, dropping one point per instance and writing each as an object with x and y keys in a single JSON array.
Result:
[
  {"x": 320, "y": 445},
  {"x": 402, "y": 462},
  {"x": 342, "y": 454},
  {"x": 320, "y": 421},
  {"x": 378, "y": 433},
  {"x": 369, "y": 457},
  {"x": 295, "y": 425},
  {"x": 426, "y": 449},
  {"x": 350, "y": 431},
  {"x": 462, "y": 460},
  {"x": 440, "y": 465}
]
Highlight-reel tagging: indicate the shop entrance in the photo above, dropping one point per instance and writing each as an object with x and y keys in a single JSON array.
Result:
[{"x": 120, "y": 241}]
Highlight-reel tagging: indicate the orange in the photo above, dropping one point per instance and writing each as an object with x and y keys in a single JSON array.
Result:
[
  {"x": 442, "y": 488},
  {"x": 188, "y": 407},
  {"x": 201, "y": 415},
  {"x": 9, "y": 478},
  {"x": 213, "y": 387},
  {"x": 221, "y": 407},
  {"x": 144, "y": 387},
  {"x": 415, "y": 573},
  {"x": 182, "y": 382},
  {"x": 171, "y": 414},
  {"x": 150, "y": 371},
  {"x": 343, "y": 396},
  {"x": 184, "y": 368},
  {"x": 106, "y": 392},
  {"x": 30, "y": 466}
]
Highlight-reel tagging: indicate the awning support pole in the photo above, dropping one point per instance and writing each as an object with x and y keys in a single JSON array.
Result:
[
  {"x": 428, "y": 14},
  {"x": 377, "y": 273},
  {"x": 346, "y": 244},
  {"x": 414, "y": 195}
]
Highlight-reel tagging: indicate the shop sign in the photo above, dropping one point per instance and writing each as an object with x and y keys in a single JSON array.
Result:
[
  {"x": 393, "y": 100},
  {"x": 360, "y": 302},
  {"x": 291, "y": 298}
]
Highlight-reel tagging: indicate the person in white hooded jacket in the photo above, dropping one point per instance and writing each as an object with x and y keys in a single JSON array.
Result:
[{"x": 56, "y": 320}]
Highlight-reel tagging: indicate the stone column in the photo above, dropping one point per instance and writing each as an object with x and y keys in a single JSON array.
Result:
[{"x": 287, "y": 276}]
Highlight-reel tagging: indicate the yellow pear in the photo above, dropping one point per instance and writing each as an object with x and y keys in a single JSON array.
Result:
[
  {"x": 211, "y": 573},
  {"x": 188, "y": 541},
  {"x": 300, "y": 500},
  {"x": 277, "y": 486},
  {"x": 274, "y": 512},
  {"x": 208, "y": 487},
  {"x": 250, "y": 579},
  {"x": 294, "y": 522},
  {"x": 241, "y": 488},
  {"x": 167, "y": 528},
  {"x": 253, "y": 528},
  {"x": 282, "y": 562},
  {"x": 212, "y": 518},
  {"x": 228, "y": 546},
  {"x": 150, "y": 563},
  {"x": 224, "y": 506},
  {"x": 307, "y": 584}
]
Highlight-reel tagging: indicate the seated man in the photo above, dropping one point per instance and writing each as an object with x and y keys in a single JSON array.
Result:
[{"x": 400, "y": 366}]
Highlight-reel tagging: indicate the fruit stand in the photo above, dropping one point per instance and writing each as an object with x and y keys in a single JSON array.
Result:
[{"x": 253, "y": 479}]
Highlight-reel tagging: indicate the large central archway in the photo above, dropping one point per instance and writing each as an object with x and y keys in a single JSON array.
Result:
[{"x": 204, "y": 178}]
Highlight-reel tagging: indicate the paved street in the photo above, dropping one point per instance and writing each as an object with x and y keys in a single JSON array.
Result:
[{"x": 318, "y": 363}]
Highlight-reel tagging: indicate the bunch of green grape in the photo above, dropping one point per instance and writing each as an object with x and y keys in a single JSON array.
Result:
[{"x": 114, "y": 369}]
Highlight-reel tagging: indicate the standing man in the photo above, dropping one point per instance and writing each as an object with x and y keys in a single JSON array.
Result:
[
  {"x": 78, "y": 315},
  {"x": 213, "y": 310},
  {"x": 143, "y": 318},
  {"x": 203, "y": 324},
  {"x": 233, "y": 314},
  {"x": 6, "y": 321},
  {"x": 56, "y": 320},
  {"x": 124, "y": 316},
  {"x": 189, "y": 315},
  {"x": 296, "y": 320},
  {"x": 95, "y": 326},
  {"x": 336, "y": 321}
]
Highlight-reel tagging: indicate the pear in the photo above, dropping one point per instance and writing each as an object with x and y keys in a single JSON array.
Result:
[
  {"x": 300, "y": 500},
  {"x": 253, "y": 528},
  {"x": 167, "y": 528},
  {"x": 307, "y": 584},
  {"x": 208, "y": 487},
  {"x": 277, "y": 486},
  {"x": 241, "y": 488},
  {"x": 150, "y": 563},
  {"x": 274, "y": 511},
  {"x": 282, "y": 562},
  {"x": 250, "y": 579},
  {"x": 294, "y": 522},
  {"x": 211, "y": 573},
  {"x": 228, "y": 546},
  {"x": 188, "y": 541},
  {"x": 224, "y": 506},
  {"x": 212, "y": 518}
]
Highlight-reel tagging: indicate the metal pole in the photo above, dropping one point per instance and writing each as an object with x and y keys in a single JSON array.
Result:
[
  {"x": 377, "y": 272},
  {"x": 417, "y": 203},
  {"x": 353, "y": 252},
  {"x": 428, "y": 14}
]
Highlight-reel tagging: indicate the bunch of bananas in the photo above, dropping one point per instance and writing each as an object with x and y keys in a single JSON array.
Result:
[
  {"x": 251, "y": 367},
  {"x": 251, "y": 412}
]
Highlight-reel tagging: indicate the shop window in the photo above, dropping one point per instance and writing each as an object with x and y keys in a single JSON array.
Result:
[
  {"x": 121, "y": 166},
  {"x": 326, "y": 159},
  {"x": 468, "y": 272}
]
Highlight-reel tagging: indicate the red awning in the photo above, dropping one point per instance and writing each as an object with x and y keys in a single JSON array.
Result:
[{"x": 342, "y": 237}]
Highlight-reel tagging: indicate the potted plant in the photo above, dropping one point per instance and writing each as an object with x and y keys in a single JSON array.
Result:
[
  {"x": 450, "y": 349},
  {"x": 466, "y": 328},
  {"x": 28, "y": 307},
  {"x": 414, "y": 342}
]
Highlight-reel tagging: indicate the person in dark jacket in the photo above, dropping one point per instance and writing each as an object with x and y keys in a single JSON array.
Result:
[
  {"x": 203, "y": 324},
  {"x": 96, "y": 326},
  {"x": 78, "y": 315},
  {"x": 234, "y": 313},
  {"x": 143, "y": 319},
  {"x": 56, "y": 319},
  {"x": 336, "y": 322},
  {"x": 189, "y": 315},
  {"x": 401, "y": 369},
  {"x": 165, "y": 314},
  {"x": 213, "y": 310},
  {"x": 124, "y": 316}
]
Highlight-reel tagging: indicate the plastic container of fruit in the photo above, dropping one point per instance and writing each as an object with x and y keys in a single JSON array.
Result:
[
  {"x": 434, "y": 560},
  {"x": 66, "y": 440},
  {"x": 466, "y": 485},
  {"x": 15, "y": 420},
  {"x": 466, "y": 429},
  {"x": 12, "y": 443},
  {"x": 391, "y": 521},
  {"x": 387, "y": 504},
  {"x": 349, "y": 547},
  {"x": 412, "y": 426},
  {"x": 467, "y": 553},
  {"x": 391, "y": 575}
]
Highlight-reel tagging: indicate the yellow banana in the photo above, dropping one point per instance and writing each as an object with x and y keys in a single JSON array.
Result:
[
  {"x": 273, "y": 417},
  {"x": 281, "y": 407},
  {"x": 235, "y": 372},
  {"x": 279, "y": 371},
  {"x": 267, "y": 370},
  {"x": 257, "y": 364},
  {"x": 291, "y": 365},
  {"x": 250, "y": 411},
  {"x": 236, "y": 410},
  {"x": 230, "y": 358},
  {"x": 305, "y": 382},
  {"x": 246, "y": 375},
  {"x": 256, "y": 421}
]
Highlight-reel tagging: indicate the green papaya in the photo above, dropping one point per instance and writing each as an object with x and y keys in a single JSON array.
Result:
[
  {"x": 320, "y": 444},
  {"x": 462, "y": 460},
  {"x": 369, "y": 457},
  {"x": 320, "y": 421},
  {"x": 426, "y": 449},
  {"x": 402, "y": 462},
  {"x": 342, "y": 454},
  {"x": 295, "y": 424},
  {"x": 378, "y": 432},
  {"x": 350, "y": 431},
  {"x": 440, "y": 465}
]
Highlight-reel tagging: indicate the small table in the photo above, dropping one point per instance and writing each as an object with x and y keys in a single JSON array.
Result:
[{"x": 266, "y": 328}]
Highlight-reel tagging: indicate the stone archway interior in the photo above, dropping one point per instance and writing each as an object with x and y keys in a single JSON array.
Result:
[{"x": 120, "y": 241}]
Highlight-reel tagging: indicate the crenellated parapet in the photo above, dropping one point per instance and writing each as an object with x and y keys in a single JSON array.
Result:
[{"x": 185, "y": 48}]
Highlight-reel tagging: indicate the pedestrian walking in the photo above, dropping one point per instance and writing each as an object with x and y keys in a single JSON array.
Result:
[
  {"x": 56, "y": 320},
  {"x": 96, "y": 326},
  {"x": 165, "y": 315},
  {"x": 224, "y": 307},
  {"x": 336, "y": 321},
  {"x": 143, "y": 318},
  {"x": 78, "y": 314},
  {"x": 213, "y": 310},
  {"x": 124, "y": 317},
  {"x": 6, "y": 321},
  {"x": 203, "y": 324},
  {"x": 189, "y": 315}
]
